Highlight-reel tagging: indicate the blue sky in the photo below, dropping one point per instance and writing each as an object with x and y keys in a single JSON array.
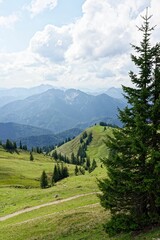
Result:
[
  {"x": 64, "y": 13},
  {"x": 81, "y": 44}
]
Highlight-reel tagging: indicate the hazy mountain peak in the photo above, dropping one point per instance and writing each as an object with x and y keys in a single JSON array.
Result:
[
  {"x": 115, "y": 92},
  {"x": 71, "y": 96}
]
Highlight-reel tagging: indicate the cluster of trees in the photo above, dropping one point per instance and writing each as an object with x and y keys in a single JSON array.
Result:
[
  {"x": 79, "y": 170},
  {"x": 60, "y": 172},
  {"x": 10, "y": 146},
  {"x": 37, "y": 150},
  {"x": 60, "y": 157},
  {"x": 88, "y": 166},
  {"x": 24, "y": 147},
  {"x": 80, "y": 159},
  {"x": 85, "y": 140},
  {"x": 132, "y": 190}
]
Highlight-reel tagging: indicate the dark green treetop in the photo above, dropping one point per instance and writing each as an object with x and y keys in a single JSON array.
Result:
[{"x": 131, "y": 191}]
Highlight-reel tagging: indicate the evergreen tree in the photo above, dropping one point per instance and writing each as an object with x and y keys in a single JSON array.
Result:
[
  {"x": 55, "y": 176},
  {"x": 31, "y": 156},
  {"x": 43, "y": 180},
  {"x": 9, "y": 145},
  {"x": 84, "y": 135},
  {"x": 76, "y": 170},
  {"x": 55, "y": 155},
  {"x": 93, "y": 166},
  {"x": 90, "y": 138},
  {"x": 65, "y": 172},
  {"x": 20, "y": 145},
  {"x": 60, "y": 171},
  {"x": 73, "y": 158},
  {"x": 15, "y": 145},
  {"x": 131, "y": 191},
  {"x": 82, "y": 170},
  {"x": 88, "y": 163}
]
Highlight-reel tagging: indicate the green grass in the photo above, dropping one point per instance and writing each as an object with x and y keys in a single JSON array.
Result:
[
  {"x": 13, "y": 199},
  {"x": 69, "y": 221},
  {"x": 80, "y": 218},
  {"x": 18, "y": 170},
  {"x": 64, "y": 224}
]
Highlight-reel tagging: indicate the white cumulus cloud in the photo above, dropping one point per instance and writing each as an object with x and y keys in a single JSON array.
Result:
[
  {"x": 52, "y": 42},
  {"x": 105, "y": 28},
  {"x": 38, "y": 6},
  {"x": 8, "y": 21}
]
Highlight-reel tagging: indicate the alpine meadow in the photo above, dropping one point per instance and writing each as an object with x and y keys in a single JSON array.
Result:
[{"x": 79, "y": 135}]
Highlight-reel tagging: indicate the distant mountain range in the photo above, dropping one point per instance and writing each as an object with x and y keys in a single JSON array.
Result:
[
  {"x": 15, "y": 131},
  {"x": 33, "y": 136},
  {"x": 49, "y": 140},
  {"x": 58, "y": 110},
  {"x": 13, "y": 94}
]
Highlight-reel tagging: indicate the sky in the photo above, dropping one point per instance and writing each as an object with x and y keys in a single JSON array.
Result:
[{"x": 82, "y": 44}]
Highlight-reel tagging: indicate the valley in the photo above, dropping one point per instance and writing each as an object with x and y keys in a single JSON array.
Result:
[
  {"x": 79, "y": 120},
  {"x": 68, "y": 210}
]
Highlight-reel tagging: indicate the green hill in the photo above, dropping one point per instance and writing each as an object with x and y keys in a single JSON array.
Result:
[
  {"x": 68, "y": 210},
  {"x": 95, "y": 150}
]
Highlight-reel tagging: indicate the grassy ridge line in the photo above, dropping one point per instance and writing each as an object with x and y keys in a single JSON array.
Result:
[{"x": 44, "y": 205}]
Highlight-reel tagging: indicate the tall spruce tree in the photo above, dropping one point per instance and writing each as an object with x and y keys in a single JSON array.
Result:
[
  {"x": 132, "y": 190},
  {"x": 43, "y": 180}
]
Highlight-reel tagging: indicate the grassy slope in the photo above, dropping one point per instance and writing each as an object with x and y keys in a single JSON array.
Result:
[
  {"x": 97, "y": 148},
  {"x": 81, "y": 218},
  {"x": 17, "y": 169}
]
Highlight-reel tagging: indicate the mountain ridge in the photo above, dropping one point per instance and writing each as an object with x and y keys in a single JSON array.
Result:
[{"x": 59, "y": 110}]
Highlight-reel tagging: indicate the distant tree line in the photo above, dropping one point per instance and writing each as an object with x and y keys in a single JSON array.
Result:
[
  {"x": 49, "y": 148},
  {"x": 37, "y": 150},
  {"x": 104, "y": 124},
  {"x": 10, "y": 146}
]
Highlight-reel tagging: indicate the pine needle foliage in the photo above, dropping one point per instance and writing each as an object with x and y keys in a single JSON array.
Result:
[{"x": 132, "y": 190}]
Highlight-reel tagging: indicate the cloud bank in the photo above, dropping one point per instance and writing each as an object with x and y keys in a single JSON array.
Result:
[{"x": 92, "y": 52}]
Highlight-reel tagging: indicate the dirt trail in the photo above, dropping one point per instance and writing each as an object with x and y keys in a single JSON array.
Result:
[{"x": 43, "y": 205}]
